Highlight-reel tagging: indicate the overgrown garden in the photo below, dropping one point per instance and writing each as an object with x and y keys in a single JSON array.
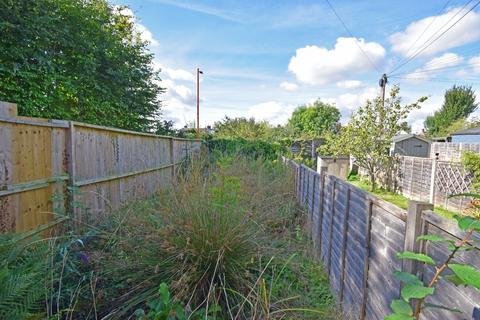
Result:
[{"x": 227, "y": 241}]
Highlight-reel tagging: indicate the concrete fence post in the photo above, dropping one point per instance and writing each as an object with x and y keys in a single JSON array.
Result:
[{"x": 414, "y": 228}]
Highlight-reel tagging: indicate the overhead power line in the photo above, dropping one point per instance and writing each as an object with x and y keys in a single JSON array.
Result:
[
  {"x": 427, "y": 27},
  {"x": 351, "y": 35},
  {"x": 462, "y": 62},
  {"x": 439, "y": 69},
  {"x": 438, "y": 37},
  {"x": 473, "y": 81}
]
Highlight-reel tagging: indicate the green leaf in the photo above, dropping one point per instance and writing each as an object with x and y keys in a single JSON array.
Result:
[
  {"x": 437, "y": 306},
  {"x": 452, "y": 247},
  {"x": 453, "y": 278},
  {"x": 407, "y": 278},
  {"x": 465, "y": 223},
  {"x": 414, "y": 291},
  {"x": 416, "y": 256},
  {"x": 468, "y": 274},
  {"x": 399, "y": 316},
  {"x": 433, "y": 238},
  {"x": 401, "y": 307},
  {"x": 164, "y": 293}
]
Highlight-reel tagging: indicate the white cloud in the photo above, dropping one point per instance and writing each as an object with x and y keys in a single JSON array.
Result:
[
  {"x": 475, "y": 63},
  {"x": 145, "y": 34},
  {"x": 416, "y": 118},
  {"x": 465, "y": 31},
  {"x": 289, "y": 86},
  {"x": 180, "y": 74},
  {"x": 316, "y": 65},
  {"x": 178, "y": 91},
  {"x": 348, "y": 103},
  {"x": 350, "y": 84},
  {"x": 272, "y": 111},
  {"x": 434, "y": 67}
]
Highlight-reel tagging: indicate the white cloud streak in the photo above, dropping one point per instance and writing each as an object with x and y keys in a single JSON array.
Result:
[
  {"x": 316, "y": 65},
  {"x": 465, "y": 31}
]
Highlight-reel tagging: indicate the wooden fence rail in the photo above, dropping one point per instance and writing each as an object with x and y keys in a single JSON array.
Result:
[
  {"x": 49, "y": 166},
  {"x": 357, "y": 237}
]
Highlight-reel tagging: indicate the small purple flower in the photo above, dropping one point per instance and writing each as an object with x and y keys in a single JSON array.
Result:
[{"x": 83, "y": 256}]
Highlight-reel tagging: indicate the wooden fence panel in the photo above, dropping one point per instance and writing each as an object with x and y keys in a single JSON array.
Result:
[
  {"x": 337, "y": 236},
  {"x": 356, "y": 251},
  {"x": 327, "y": 220},
  {"x": 447, "y": 294},
  {"x": 387, "y": 239},
  {"x": 31, "y": 164},
  {"x": 357, "y": 237},
  {"x": 106, "y": 167}
]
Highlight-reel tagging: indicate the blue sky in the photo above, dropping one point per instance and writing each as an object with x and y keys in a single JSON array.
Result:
[{"x": 264, "y": 58}]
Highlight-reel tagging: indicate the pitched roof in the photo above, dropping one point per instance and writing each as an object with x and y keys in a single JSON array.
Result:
[
  {"x": 472, "y": 131},
  {"x": 402, "y": 137}
]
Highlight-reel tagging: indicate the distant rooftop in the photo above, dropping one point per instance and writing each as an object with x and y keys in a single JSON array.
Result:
[
  {"x": 471, "y": 131},
  {"x": 406, "y": 136}
]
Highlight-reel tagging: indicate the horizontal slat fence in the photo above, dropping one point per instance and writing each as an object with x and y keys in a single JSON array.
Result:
[
  {"x": 357, "y": 237},
  {"x": 104, "y": 168},
  {"x": 450, "y": 151}
]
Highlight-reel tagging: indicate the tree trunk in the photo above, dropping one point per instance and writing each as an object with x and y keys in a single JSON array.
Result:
[{"x": 372, "y": 182}]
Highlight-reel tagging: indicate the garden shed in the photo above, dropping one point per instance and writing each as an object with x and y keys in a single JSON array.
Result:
[
  {"x": 411, "y": 145},
  {"x": 471, "y": 135}
]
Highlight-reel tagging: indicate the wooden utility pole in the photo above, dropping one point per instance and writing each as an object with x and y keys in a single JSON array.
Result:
[
  {"x": 198, "y": 102},
  {"x": 383, "y": 84}
]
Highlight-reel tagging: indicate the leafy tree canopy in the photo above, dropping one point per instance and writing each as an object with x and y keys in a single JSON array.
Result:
[
  {"x": 369, "y": 133},
  {"x": 243, "y": 128},
  {"x": 77, "y": 60},
  {"x": 314, "y": 120},
  {"x": 459, "y": 103}
]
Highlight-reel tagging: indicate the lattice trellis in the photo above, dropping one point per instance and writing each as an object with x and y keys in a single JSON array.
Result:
[{"x": 452, "y": 178}]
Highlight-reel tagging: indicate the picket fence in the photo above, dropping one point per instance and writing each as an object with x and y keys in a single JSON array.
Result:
[
  {"x": 56, "y": 166},
  {"x": 357, "y": 237}
]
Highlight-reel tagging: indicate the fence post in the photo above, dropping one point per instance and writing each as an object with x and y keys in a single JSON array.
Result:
[
  {"x": 366, "y": 261},
  {"x": 8, "y": 110},
  {"x": 414, "y": 228},
  {"x": 71, "y": 168},
  {"x": 344, "y": 244},
  {"x": 432, "y": 181},
  {"x": 332, "y": 216},
  {"x": 312, "y": 202},
  {"x": 318, "y": 233},
  {"x": 172, "y": 157}
]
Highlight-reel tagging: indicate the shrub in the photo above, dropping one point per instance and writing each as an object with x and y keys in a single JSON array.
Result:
[{"x": 250, "y": 148}]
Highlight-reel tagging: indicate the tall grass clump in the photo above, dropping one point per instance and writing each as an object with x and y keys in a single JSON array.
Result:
[
  {"x": 215, "y": 237},
  {"x": 226, "y": 241}
]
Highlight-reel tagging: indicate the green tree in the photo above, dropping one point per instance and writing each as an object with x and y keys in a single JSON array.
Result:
[
  {"x": 242, "y": 128},
  {"x": 369, "y": 133},
  {"x": 459, "y": 102},
  {"x": 314, "y": 120},
  {"x": 77, "y": 60}
]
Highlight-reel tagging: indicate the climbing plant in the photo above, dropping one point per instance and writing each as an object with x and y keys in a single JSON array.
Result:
[{"x": 414, "y": 292}]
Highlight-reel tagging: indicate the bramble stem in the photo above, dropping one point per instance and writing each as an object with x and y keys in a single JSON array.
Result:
[{"x": 418, "y": 307}]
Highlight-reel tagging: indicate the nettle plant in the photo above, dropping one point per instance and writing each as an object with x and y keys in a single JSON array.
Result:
[{"x": 414, "y": 292}]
